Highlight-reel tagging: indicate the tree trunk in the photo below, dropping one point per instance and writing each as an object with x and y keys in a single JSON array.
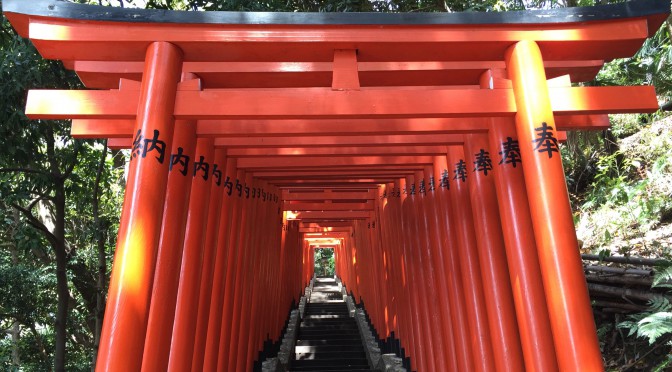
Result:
[
  {"x": 15, "y": 329},
  {"x": 61, "y": 276},
  {"x": 101, "y": 236}
]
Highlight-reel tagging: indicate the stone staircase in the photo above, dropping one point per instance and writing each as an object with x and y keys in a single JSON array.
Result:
[{"x": 328, "y": 338}]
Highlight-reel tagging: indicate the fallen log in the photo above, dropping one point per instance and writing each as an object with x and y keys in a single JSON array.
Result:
[
  {"x": 619, "y": 305},
  {"x": 625, "y": 260},
  {"x": 618, "y": 270},
  {"x": 621, "y": 279},
  {"x": 608, "y": 291}
]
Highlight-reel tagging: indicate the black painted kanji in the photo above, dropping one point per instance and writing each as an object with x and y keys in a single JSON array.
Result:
[
  {"x": 545, "y": 142},
  {"x": 460, "y": 171},
  {"x": 202, "y": 165},
  {"x": 181, "y": 159},
  {"x": 510, "y": 152},
  {"x": 483, "y": 162}
]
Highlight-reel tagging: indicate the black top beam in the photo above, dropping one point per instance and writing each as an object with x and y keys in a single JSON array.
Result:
[{"x": 64, "y": 9}]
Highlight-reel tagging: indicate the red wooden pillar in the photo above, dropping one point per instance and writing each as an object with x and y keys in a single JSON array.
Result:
[
  {"x": 406, "y": 334},
  {"x": 184, "y": 326},
  {"x": 258, "y": 274},
  {"x": 233, "y": 263},
  {"x": 567, "y": 297},
  {"x": 379, "y": 241},
  {"x": 169, "y": 256},
  {"x": 224, "y": 250},
  {"x": 283, "y": 276},
  {"x": 424, "y": 277},
  {"x": 528, "y": 290},
  {"x": 441, "y": 297},
  {"x": 241, "y": 277},
  {"x": 481, "y": 344},
  {"x": 123, "y": 333},
  {"x": 492, "y": 256},
  {"x": 209, "y": 256},
  {"x": 388, "y": 279},
  {"x": 451, "y": 262},
  {"x": 409, "y": 260}
]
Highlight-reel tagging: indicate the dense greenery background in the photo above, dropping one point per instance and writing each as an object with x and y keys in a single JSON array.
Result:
[{"x": 60, "y": 198}]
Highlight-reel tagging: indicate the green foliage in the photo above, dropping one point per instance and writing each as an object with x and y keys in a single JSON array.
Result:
[
  {"x": 655, "y": 325},
  {"x": 324, "y": 261}
]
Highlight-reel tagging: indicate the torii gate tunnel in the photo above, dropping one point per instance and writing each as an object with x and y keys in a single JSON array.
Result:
[{"x": 422, "y": 147}]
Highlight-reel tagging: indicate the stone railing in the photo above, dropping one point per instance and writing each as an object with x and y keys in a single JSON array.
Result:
[{"x": 281, "y": 362}]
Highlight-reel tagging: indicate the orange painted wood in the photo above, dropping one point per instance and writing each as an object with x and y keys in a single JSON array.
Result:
[
  {"x": 327, "y": 104},
  {"x": 331, "y": 173},
  {"x": 412, "y": 318},
  {"x": 327, "y": 206},
  {"x": 481, "y": 343},
  {"x": 528, "y": 293},
  {"x": 224, "y": 250},
  {"x": 233, "y": 265},
  {"x": 435, "y": 264},
  {"x": 574, "y": 334},
  {"x": 340, "y": 131},
  {"x": 184, "y": 326},
  {"x": 333, "y": 215},
  {"x": 169, "y": 255},
  {"x": 209, "y": 257},
  {"x": 345, "y": 72},
  {"x": 451, "y": 261},
  {"x": 523, "y": 262},
  {"x": 123, "y": 332},
  {"x": 106, "y": 74},
  {"x": 327, "y": 195},
  {"x": 502, "y": 320},
  {"x": 229, "y": 362},
  {"x": 423, "y": 275},
  {"x": 337, "y": 151},
  {"x": 270, "y": 163},
  {"x": 587, "y": 40}
]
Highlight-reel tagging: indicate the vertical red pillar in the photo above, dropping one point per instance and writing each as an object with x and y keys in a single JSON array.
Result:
[
  {"x": 209, "y": 256},
  {"x": 184, "y": 326},
  {"x": 481, "y": 344},
  {"x": 247, "y": 314},
  {"x": 406, "y": 335},
  {"x": 446, "y": 359},
  {"x": 422, "y": 274},
  {"x": 123, "y": 333},
  {"x": 169, "y": 256},
  {"x": 409, "y": 257},
  {"x": 528, "y": 290},
  {"x": 492, "y": 255},
  {"x": 241, "y": 274},
  {"x": 388, "y": 279},
  {"x": 451, "y": 262},
  {"x": 224, "y": 250},
  {"x": 233, "y": 263},
  {"x": 567, "y": 297}
]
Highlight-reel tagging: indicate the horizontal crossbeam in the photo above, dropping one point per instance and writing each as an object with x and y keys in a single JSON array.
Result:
[
  {"x": 328, "y": 195},
  {"x": 328, "y": 104},
  {"x": 297, "y": 206}
]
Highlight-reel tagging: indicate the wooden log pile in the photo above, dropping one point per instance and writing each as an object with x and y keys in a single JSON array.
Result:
[{"x": 621, "y": 284}]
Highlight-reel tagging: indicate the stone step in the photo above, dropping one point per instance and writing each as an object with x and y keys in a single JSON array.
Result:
[
  {"x": 329, "y": 342},
  {"x": 320, "y": 349}
]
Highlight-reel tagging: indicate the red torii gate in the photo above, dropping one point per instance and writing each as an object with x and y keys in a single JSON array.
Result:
[{"x": 275, "y": 108}]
